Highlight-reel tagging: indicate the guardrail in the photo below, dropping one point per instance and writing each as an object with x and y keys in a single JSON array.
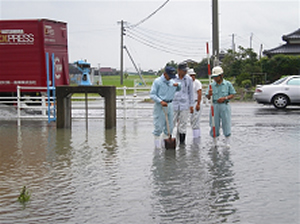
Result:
[{"x": 37, "y": 107}]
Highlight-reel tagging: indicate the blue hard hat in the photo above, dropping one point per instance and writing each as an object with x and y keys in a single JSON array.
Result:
[{"x": 171, "y": 72}]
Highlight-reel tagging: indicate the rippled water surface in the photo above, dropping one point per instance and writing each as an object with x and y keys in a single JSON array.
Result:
[{"x": 116, "y": 176}]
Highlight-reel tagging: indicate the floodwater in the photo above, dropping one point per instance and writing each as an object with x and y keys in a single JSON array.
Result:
[{"x": 116, "y": 176}]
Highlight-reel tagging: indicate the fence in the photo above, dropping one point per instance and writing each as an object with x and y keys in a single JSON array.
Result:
[{"x": 129, "y": 105}]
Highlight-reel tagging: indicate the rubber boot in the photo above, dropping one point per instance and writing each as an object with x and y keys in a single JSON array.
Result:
[
  {"x": 157, "y": 142},
  {"x": 196, "y": 133},
  {"x": 181, "y": 139},
  {"x": 227, "y": 142}
]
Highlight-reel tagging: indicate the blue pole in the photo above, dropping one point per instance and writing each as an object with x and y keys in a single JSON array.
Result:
[
  {"x": 53, "y": 87},
  {"x": 48, "y": 90},
  {"x": 53, "y": 71}
]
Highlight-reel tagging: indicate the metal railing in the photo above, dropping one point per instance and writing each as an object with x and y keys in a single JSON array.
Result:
[
  {"x": 37, "y": 107},
  {"x": 34, "y": 103}
]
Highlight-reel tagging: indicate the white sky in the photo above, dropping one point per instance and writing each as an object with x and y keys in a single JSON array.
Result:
[{"x": 180, "y": 27}]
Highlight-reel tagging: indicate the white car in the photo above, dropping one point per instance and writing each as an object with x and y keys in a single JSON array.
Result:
[{"x": 283, "y": 92}]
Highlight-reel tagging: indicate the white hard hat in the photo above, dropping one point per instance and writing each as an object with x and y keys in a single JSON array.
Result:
[
  {"x": 216, "y": 71},
  {"x": 191, "y": 72}
]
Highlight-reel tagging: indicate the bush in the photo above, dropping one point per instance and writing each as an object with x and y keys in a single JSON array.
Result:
[
  {"x": 242, "y": 77},
  {"x": 246, "y": 83}
]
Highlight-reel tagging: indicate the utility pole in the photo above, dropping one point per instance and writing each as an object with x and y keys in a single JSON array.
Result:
[
  {"x": 260, "y": 51},
  {"x": 251, "y": 37},
  {"x": 233, "y": 44},
  {"x": 215, "y": 30},
  {"x": 121, "y": 53}
]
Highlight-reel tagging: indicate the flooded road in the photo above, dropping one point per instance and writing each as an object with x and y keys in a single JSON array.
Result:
[{"x": 116, "y": 176}]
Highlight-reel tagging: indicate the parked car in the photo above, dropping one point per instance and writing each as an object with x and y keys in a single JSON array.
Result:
[{"x": 283, "y": 92}]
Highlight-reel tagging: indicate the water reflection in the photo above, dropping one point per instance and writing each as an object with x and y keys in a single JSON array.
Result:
[
  {"x": 56, "y": 190},
  {"x": 31, "y": 156},
  {"x": 111, "y": 147},
  {"x": 191, "y": 187},
  {"x": 110, "y": 142},
  {"x": 223, "y": 190},
  {"x": 115, "y": 176},
  {"x": 179, "y": 186}
]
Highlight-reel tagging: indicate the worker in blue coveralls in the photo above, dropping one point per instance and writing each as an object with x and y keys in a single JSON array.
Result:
[
  {"x": 162, "y": 92},
  {"x": 183, "y": 102},
  {"x": 222, "y": 92}
]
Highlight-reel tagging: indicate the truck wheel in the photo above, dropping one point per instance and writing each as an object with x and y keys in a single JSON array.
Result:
[{"x": 280, "y": 101}]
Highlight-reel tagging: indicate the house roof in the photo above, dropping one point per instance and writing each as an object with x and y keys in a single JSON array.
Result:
[
  {"x": 292, "y": 49},
  {"x": 107, "y": 69},
  {"x": 292, "y": 46},
  {"x": 292, "y": 36},
  {"x": 189, "y": 61}
]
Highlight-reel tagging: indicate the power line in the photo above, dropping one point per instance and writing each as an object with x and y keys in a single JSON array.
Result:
[
  {"x": 168, "y": 46},
  {"x": 190, "y": 42},
  {"x": 154, "y": 47},
  {"x": 181, "y": 44},
  {"x": 163, "y": 48},
  {"x": 148, "y": 17},
  {"x": 169, "y": 35}
]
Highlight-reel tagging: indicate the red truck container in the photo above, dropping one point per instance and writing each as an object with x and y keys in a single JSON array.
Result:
[{"x": 23, "y": 46}]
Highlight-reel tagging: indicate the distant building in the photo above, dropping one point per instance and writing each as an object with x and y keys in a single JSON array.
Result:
[
  {"x": 292, "y": 46},
  {"x": 190, "y": 61},
  {"x": 105, "y": 71},
  {"x": 149, "y": 72}
]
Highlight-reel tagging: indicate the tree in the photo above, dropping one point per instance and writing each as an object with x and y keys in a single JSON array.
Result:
[
  {"x": 280, "y": 65},
  {"x": 241, "y": 64},
  {"x": 172, "y": 64},
  {"x": 201, "y": 69}
]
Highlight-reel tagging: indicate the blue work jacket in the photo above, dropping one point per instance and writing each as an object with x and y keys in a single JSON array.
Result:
[{"x": 163, "y": 90}]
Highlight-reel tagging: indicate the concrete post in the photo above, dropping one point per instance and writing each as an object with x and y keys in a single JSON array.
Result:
[
  {"x": 110, "y": 108},
  {"x": 64, "y": 110},
  {"x": 215, "y": 30}
]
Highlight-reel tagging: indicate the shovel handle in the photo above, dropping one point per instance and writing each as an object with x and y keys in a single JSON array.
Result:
[{"x": 167, "y": 121}]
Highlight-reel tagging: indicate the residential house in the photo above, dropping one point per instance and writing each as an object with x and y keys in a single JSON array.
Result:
[
  {"x": 291, "y": 47},
  {"x": 105, "y": 71}
]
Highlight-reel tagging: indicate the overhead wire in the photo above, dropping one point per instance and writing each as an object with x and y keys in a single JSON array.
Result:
[
  {"x": 169, "y": 43},
  {"x": 189, "y": 43},
  {"x": 163, "y": 49},
  {"x": 170, "y": 35},
  {"x": 165, "y": 43},
  {"x": 148, "y": 17}
]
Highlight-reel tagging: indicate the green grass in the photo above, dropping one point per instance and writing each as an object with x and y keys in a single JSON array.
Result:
[
  {"x": 115, "y": 81},
  {"x": 83, "y": 95},
  {"x": 128, "y": 82},
  {"x": 241, "y": 95},
  {"x": 24, "y": 195}
]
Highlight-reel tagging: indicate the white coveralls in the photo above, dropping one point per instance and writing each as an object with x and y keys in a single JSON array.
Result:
[
  {"x": 183, "y": 100},
  {"x": 162, "y": 90},
  {"x": 195, "y": 117},
  {"x": 222, "y": 111}
]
